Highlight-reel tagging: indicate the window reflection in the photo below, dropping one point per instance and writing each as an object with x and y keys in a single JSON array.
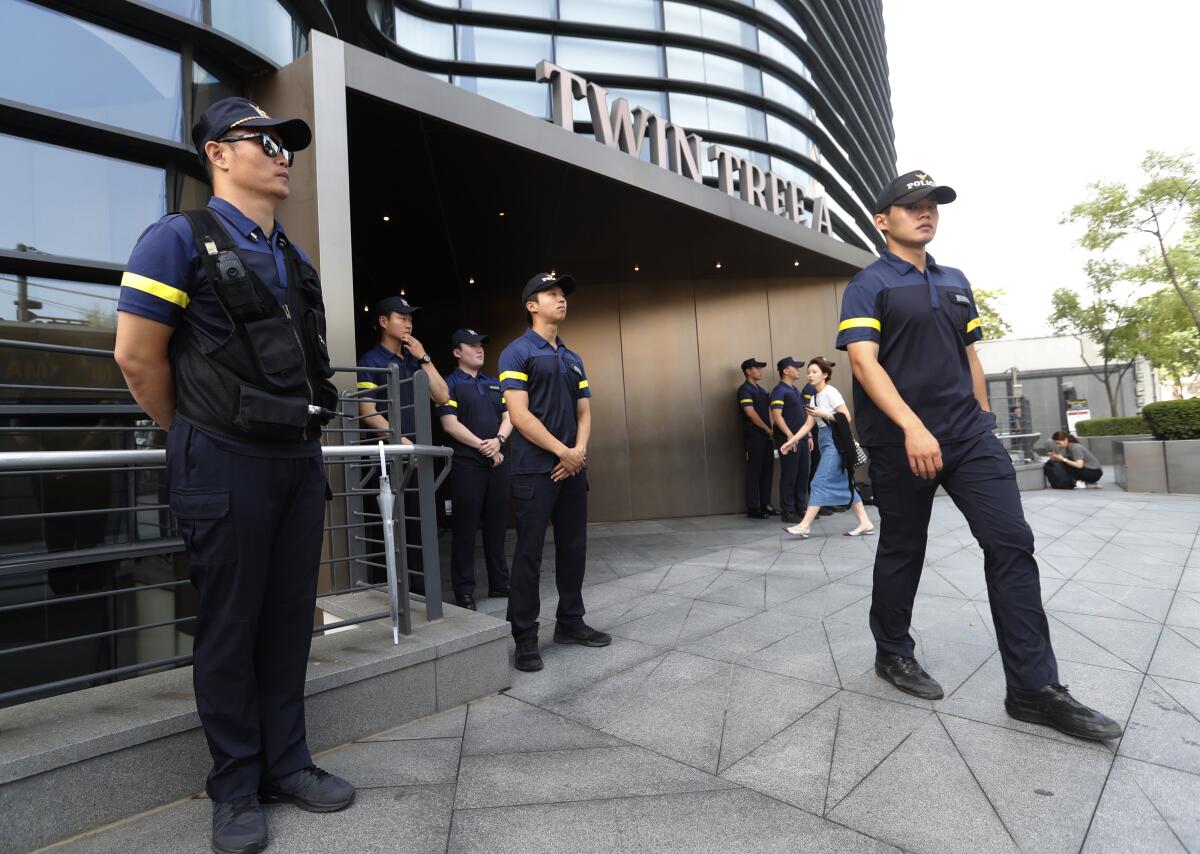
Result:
[
  {"x": 30, "y": 299},
  {"x": 527, "y": 8},
  {"x": 697, "y": 112},
  {"x": 503, "y": 47},
  {"x": 265, "y": 25},
  {"x": 526, "y": 96},
  {"x": 686, "y": 64},
  {"x": 68, "y": 202},
  {"x": 597, "y": 55},
  {"x": 709, "y": 24},
  {"x": 193, "y": 9},
  {"x": 420, "y": 35},
  {"x": 128, "y": 83},
  {"x": 642, "y": 14},
  {"x": 207, "y": 89}
]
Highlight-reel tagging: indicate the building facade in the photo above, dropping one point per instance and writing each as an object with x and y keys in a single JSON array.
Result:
[{"x": 437, "y": 171}]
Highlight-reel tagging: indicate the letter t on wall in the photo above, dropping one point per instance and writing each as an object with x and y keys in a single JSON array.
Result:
[{"x": 565, "y": 89}]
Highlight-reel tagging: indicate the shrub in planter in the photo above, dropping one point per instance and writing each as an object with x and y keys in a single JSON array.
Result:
[
  {"x": 1129, "y": 426},
  {"x": 1174, "y": 419}
]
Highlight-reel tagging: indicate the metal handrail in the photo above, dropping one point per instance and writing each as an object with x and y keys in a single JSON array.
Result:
[{"x": 158, "y": 456}]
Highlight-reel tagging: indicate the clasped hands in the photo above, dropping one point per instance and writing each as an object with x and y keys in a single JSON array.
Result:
[
  {"x": 490, "y": 450},
  {"x": 570, "y": 463}
]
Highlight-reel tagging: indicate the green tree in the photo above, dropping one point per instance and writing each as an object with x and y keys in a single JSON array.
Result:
[
  {"x": 993, "y": 324},
  {"x": 1107, "y": 316},
  {"x": 1166, "y": 335},
  {"x": 1164, "y": 213}
]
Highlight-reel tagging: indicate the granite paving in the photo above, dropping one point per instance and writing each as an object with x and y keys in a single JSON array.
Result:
[{"x": 737, "y": 709}]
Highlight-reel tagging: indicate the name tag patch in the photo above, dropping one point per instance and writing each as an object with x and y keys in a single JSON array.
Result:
[{"x": 961, "y": 299}]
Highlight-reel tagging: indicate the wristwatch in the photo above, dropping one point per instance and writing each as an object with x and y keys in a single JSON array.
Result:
[
  {"x": 503, "y": 440},
  {"x": 425, "y": 360}
]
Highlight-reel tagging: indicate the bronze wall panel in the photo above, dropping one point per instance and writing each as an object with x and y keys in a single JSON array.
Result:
[
  {"x": 732, "y": 324},
  {"x": 664, "y": 414}
]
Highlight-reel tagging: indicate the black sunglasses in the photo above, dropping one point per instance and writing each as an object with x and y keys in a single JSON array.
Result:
[{"x": 269, "y": 145}]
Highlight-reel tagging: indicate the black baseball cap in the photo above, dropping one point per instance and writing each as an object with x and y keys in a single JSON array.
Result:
[
  {"x": 788, "y": 362},
  {"x": 544, "y": 282},
  {"x": 398, "y": 304},
  {"x": 467, "y": 336},
  {"x": 753, "y": 363},
  {"x": 230, "y": 113},
  {"x": 912, "y": 187}
]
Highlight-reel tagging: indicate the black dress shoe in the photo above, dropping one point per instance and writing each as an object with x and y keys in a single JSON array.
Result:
[
  {"x": 238, "y": 826},
  {"x": 310, "y": 789},
  {"x": 908, "y": 675},
  {"x": 840, "y": 508},
  {"x": 581, "y": 634},
  {"x": 789, "y": 518},
  {"x": 825, "y": 511},
  {"x": 771, "y": 511},
  {"x": 757, "y": 514},
  {"x": 498, "y": 593},
  {"x": 527, "y": 656},
  {"x": 1053, "y": 706},
  {"x": 466, "y": 601}
]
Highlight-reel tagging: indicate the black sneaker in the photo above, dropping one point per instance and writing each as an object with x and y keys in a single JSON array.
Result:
[
  {"x": 771, "y": 511},
  {"x": 789, "y": 518},
  {"x": 498, "y": 593},
  {"x": 310, "y": 789},
  {"x": 581, "y": 634},
  {"x": 907, "y": 675},
  {"x": 757, "y": 514},
  {"x": 527, "y": 658},
  {"x": 1053, "y": 706},
  {"x": 825, "y": 511},
  {"x": 466, "y": 601},
  {"x": 238, "y": 826}
]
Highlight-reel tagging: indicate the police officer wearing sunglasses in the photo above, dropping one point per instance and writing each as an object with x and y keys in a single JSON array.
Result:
[{"x": 220, "y": 336}]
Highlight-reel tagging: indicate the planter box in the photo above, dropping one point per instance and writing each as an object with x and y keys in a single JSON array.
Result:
[
  {"x": 1140, "y": 465},
  {"x": 1182, "y": 458},
  {"x": 1102, "y": 446}
]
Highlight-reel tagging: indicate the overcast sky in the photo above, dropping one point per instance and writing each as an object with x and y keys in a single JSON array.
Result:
[{"x": 1018, "y": 106}]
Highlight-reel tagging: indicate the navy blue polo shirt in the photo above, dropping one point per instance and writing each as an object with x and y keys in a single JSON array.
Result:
[
  {"x": 791, "y": 400},
  {"x": 478, "y": 404},
  {"x": 753, "y": 396},
  {"x": 923, "y": 323},
  {"x": 555, "y": 380},
  {"x": 164, "y": 280},
  {"x": 380, "y": 357}
]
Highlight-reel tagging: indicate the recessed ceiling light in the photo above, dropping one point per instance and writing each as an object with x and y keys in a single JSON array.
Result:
[
  {"x": 471, "y": 280},
  {"x": 402, "y": 292},
  {"x": 501, "y": 213},
  {"x": 636, "y": 268},
  {"x": 366, "y": 308},
  {"x": 387, "y": 218},
  {"x": 795, "y": 263},
  {"x": 718, "y": 265}
]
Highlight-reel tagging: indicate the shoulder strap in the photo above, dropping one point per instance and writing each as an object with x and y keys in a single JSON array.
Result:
[{"x": 224, "y": 269}]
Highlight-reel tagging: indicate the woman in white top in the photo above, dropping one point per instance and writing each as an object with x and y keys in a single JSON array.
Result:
[{"x": 830, "y": 485}]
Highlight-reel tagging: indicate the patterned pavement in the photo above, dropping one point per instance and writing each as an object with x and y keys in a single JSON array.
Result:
[{"x": 738, "y": 710}]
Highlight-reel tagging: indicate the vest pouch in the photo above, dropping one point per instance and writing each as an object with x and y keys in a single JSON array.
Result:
[
  {"x": 273, "y": 416},
  {"x": 237, "y": 292},
  {"x": 277, "y": 351}
]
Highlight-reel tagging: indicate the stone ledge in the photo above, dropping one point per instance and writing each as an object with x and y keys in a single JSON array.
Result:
[{"x": 101, "y": 754}]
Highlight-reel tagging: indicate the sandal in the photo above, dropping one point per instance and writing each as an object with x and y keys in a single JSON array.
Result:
[
  {"x": 797, "y": 531},
  {"x": 865, "y": 532}
]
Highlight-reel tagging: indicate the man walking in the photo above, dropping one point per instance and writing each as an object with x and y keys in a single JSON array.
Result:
[
  {"x": 789, "y": 416},
  {"x": 546, "y": 389},
  {"x": 477, "y": 424},
  {"x": 754, "y": 403},
  {"x": 920, "y": 401},
  {"x": 220, "y": 338}
]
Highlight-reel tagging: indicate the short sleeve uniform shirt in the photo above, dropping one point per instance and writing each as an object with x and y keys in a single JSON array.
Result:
[
  {"x": 164, "y": 280},
  {"x": 790, "y": 400},
  {"x": 753, "y": 396},
  {"x": 478, "y": 404},
  {"x": 376, "y": 383},
  {"x": 923, "y": 322},
  {"x": 555, "y": 380}
]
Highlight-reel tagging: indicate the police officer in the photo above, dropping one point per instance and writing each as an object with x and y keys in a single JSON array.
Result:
[
  {"x": 477, "y": 425},
  {"x": 789, "y": 416},
  {"x": 547, "y": 392},
  {"x": 754, "y": 403},
  {"x": 394, "y": 324},
  {"x": 920, "y": 400},
  {"x": 220, "y": 338}
]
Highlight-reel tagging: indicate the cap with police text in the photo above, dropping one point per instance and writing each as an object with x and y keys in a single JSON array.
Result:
[
  {"x": 239, "y": 113},
  {"x": 398, "y": 304},
  {"x": 546, "y": 281},
  {"x": 912, "y": 187},
  {"x": 788, "y": 362},
  {"x": 753, "y": 363},
  {"x": 467, "y": 336}
]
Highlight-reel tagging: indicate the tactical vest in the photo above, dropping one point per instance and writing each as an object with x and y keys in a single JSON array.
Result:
[{"x": 259, "y": 383}]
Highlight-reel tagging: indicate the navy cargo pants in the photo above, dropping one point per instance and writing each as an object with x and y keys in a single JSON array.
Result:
[
  {"x": 253, "y": 528},
  {"x": 793, "y": 478},
  {"x": 979, "y": 477},
  {"x": 760, "y": 464},
  {"x": 539, "y": 501},
  {"x": 479, "y": 494}
]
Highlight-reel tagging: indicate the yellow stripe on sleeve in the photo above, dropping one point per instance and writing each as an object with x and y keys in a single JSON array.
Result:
[
  {"x": 452, "y": 402},
  {"x": 514, "y": 375},
  {"x": 974, "y": 324},
  {"x": 154, "y": 288},
  {"x": 774, "y": 402},
  {"x": 745, "y": 400},
  {"x": 859, "y": 323},
  {"x": 367, "y": 385},
  {"x": 583, "y": 383}
]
